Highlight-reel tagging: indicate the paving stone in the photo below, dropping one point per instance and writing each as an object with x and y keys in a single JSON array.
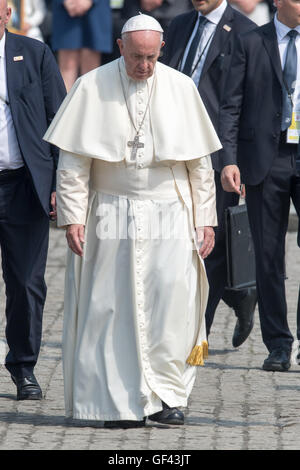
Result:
[{"x": 234, "y": 405}]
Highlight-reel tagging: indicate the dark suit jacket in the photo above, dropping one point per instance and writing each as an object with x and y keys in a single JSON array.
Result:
[
  {"x": 218, "y": 59},
  {"x": 36, "y": 90},
  {"x": 250, "y": 116}
]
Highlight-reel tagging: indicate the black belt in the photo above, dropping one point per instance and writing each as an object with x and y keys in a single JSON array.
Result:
[{"x": 11, "y": 173}]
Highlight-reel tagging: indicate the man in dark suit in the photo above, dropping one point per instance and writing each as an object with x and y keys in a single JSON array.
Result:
[
  {"x": 201, "y": 43},
  {"x": 162, "y": 10},
  {"x": 260, "y": 149},
  {"x": 31, "y": 90}
]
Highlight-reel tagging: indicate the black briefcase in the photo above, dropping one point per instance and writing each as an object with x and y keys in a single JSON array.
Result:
[{"x": 239, "y": 248}]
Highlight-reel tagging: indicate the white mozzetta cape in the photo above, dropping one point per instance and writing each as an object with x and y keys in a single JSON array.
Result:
[{"x": 93, "y": 119}]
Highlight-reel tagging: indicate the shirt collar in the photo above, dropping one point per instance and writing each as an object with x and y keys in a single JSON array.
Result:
[
  {"x": 216, "y": 15},
  {"x": 2, "y": 46},
  {"x": 282, "y": 29}
]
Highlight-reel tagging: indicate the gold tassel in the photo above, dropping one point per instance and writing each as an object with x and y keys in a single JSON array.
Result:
[
  {"x": 198, "y": 354},
  {"x": 205, "y": 349},
  {"x": 196, "y": 357}
]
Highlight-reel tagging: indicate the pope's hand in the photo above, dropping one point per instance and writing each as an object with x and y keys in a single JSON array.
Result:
[
  {"x": 75, "y": 237},
  {"x": 231, "y": 179},
  {"x": 205, "y": 237}
]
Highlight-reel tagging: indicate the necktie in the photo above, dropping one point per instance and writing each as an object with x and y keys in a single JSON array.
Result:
[
  {"x": 187, "y": 69},
  {"x": 289, "y": 76}
]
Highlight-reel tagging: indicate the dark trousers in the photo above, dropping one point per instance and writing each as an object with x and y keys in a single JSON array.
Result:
[
  {"x": 268, "y": 209},
  {"x": 216, "y": 264},
  {"x": 24, "y": 233}
]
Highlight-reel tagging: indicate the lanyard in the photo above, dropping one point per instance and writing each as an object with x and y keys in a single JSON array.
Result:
[{"x": 201, "y": 55}]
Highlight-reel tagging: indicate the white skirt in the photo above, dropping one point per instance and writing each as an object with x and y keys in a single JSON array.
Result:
[{"x": 132, "y": 306}]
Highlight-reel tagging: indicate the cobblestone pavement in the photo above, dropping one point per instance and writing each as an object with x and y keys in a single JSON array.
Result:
[{"x": 234, "y": 404}]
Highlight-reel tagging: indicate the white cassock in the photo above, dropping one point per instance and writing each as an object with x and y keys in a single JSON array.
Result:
[{"x": 135, "y": 301}]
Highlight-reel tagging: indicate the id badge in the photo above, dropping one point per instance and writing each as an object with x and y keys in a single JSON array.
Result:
[{"x": 292, "y": 135}]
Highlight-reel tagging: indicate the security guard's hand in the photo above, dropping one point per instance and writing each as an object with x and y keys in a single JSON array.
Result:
[
  {"x": 231, "y": 179},
  {"x": 53, "y": 213}
]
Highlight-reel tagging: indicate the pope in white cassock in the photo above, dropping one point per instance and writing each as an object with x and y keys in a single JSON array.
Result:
[{"x": 135, "y": 191}]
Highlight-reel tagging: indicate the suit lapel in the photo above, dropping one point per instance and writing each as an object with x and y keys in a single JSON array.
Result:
[
  {"x": 184, "y": 38},
  {"x": 271, "y": 44},
  {"x": 221, "y": 36},
  {"x": 14, "y": 64}
]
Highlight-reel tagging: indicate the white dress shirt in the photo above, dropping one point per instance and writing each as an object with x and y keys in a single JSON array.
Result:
[
  {"x": 208, "y": 33},
  {"x": 282, "y": 38},
  {"x": 10, "y": 155}
]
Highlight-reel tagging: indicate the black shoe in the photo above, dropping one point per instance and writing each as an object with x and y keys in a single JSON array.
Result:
[
  {"x": 124, "y": 424},
  {"x": 168, "y": 415},
  {"x": 245, "y": 318},
  {"x": 298, "y": 356},
  {"x": 278, "y": 360},
  {"x": 27, "y": 388}
]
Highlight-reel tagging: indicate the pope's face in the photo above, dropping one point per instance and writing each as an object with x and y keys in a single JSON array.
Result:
[
  {"x": 288, "y": 12},
  {"x": 206, "y": 6},
  {"x": 140, "y": 50},
  {"x": 5, "y": 13}
]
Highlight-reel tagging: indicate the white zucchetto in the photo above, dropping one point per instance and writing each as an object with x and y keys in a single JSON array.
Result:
[{"x": 141, "y": 22}]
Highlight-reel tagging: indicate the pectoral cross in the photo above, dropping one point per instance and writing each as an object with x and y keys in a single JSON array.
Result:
[{"x": 135, "y": 144}]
